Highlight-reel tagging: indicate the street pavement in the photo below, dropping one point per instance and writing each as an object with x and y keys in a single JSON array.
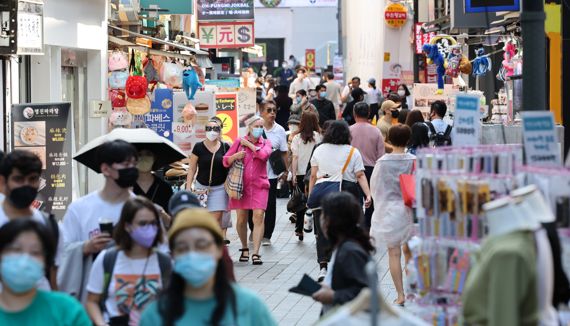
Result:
[{"x": 284, "y": 263}]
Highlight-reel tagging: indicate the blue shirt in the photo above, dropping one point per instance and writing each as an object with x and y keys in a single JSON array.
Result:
[{"x": 250, "y": 311}]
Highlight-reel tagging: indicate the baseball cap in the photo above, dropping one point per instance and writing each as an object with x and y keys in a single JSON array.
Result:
[
  {"x": 389, "y": 105},
  {"x": 181, "y": 200},
  {"x": 372, "y": 81}
]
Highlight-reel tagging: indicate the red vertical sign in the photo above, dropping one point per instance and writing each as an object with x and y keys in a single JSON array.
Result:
[{"x": 310, "y": 59}]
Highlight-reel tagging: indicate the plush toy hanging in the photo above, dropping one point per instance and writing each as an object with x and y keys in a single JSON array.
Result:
[
  {"x": 120, "y": 118},
  {"x": 508, "y": 67},
  {"x": 482, "y": 63},
  {"x": 190, "y": 82},
  {"x": 435, "y": 57},
  {"x": 453, "y": 61},
  {"x": 137, "y": 84}
]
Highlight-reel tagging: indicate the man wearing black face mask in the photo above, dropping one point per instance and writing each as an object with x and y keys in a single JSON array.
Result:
[
  {"x": 20, "y": 179},
  {"x": 88, "y": 219},
  {"x": 390, "y": 110}
]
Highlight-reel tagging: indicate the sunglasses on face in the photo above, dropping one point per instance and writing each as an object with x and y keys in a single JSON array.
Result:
[
  {"x": 210, "y": 128},
  {"x": 271, "y": 110}
]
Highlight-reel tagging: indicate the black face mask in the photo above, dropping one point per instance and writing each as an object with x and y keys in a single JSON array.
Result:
[
  {"x": 22, "y": 197},
  {"x": 127, "y": 177},
  {"x": 395, "y": 114}
]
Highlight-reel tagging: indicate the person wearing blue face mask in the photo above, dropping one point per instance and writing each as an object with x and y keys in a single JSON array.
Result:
[
  {"x": 27, "y": 250},
  {"x": 199, "y": 292},
  {"x": 301, "y": 103},
  {"x": 324, "y": 107},
  {"x": 254, "y": 151}
]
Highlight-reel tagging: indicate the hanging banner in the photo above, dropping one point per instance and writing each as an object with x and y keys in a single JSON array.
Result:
[
  {"x": 160, "y": 116},
  {"x": 227, "y": 111},
  {"x": 224, "y": 10},
  {"x": 226, "y": 35},
  {"x": 45, "y": 130},
  {"x": 466, "y": 125},
  {"x": 540, "y": 139},
  {"x": 190, "y": 129},
  {"x": 421, "y": 38},
  {"x": 246, "y": 107},
  {"x": 310, "y": 59}
]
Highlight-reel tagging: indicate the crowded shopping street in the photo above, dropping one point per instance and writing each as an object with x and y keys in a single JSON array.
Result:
[{"x": 285, "y": 162}]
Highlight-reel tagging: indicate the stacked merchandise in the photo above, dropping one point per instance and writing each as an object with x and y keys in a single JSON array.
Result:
[{"x": 452, "y": 184}]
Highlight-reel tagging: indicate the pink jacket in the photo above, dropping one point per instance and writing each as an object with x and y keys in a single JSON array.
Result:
[{"x": 256, "y": 184}]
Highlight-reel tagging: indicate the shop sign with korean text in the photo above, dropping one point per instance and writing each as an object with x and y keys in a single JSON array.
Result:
[
  {"x": 541, "y": 143},
  {"x": 422, "y": 38},
  {"x": 466, "y": 125},
  {"x": 45, "y": 130},
  {"x": 226, "y": 35},
  {"x": 224, "y": 10},
  {"x": 161, "y": 113},
  {"x": 395, "y": 15}
]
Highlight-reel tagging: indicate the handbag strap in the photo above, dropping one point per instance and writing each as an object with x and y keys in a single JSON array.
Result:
[
  {"x": 212, "y": 166},
  {"x": 347, "y": 160}
]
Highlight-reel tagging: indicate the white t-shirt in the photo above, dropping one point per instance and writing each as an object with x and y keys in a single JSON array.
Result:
[
  {"x": 331, "y": 159},
  {"x": 303, "y": 151},
  {"x": 130, "y": 280},
  {"x": 278, "y": 138},
  {"x": 372, "y": 96},
  {"x": 81, "y": 221}
]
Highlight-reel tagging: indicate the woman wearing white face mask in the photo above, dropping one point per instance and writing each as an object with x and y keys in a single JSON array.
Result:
[
  {"x": 199, "y": 292},
  {"x": 148, "y": 184},
  {"x": 27, "y": 251},
  {"x": 405, "y": 95},
  {"x": 254, "y": 151},
  {"x": 207, "y": 160}
]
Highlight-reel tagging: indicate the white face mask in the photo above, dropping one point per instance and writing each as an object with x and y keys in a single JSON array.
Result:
[
  {"x": 293, "y": 128},
  {"x": 300, "y": 75},
  {"x": 212, "y": 135},
  {"x": 266, "y": 85},
  {"x": 402, "y": 93}
]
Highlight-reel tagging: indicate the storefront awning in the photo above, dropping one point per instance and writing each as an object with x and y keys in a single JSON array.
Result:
[{"x": 159, "y": 41}]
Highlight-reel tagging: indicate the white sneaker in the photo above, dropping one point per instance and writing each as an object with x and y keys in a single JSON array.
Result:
[
  {"x": 322, "y": 275},
  {"x": 265, "y": 242},
  {"x": 308, "y": 225}
]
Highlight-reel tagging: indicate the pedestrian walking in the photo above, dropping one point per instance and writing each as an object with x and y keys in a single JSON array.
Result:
[
  {"x": 207, "y": 172},
  {"x": 304, "y": 141},
  {"x": 333, "y": 92},
  {"x": 254, "y": 151},
  {"x": 357, "y": 95},
  {"x": 302, "y": 103},
  {"x": 20, "y": 179},
  {"x": 392, "y": 222},
  {"x": 283, "y": 102},
  {"x": 373, "y": 98},
  {"x": 413, "y": 117},
  {"x": 129, "y": 276},
  {"x": 335, "y": 161},
  {"x": 27, "y": 250},
  {"x": 324, "y": 107},
  {"x": 405, "y": 96},
  {"x": 286, "y": 76},
  {"x": 390, "y": 110},
  {"x": 82, "y": 222},
  {"x": 148, "y": 184},
  {"x": 300, "y": 83},
  {"x": 419, "y": 138},
  {"x": 352, "y": 250},
  {"x": 199, "y": 293},
  {"x": 269, "y": 89},
  {"x": 346, "y": 95},
  {"x": 369, "y": 141}
]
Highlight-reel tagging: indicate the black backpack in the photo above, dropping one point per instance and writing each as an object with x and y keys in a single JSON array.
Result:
[{"x": 438, "y": 139}]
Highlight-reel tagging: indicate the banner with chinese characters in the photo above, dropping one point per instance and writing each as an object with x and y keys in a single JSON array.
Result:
[
  {"x": 224, "y": 10},
  {"x": 45, "y": 130},
  {"x": 160, "y": 116},
  {"x": 226, "y": 35},
  {"x": 227, "y": 111},
  {"x": 189, "y": 129}
]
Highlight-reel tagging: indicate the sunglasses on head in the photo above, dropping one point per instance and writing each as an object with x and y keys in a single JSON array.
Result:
[{"x": 210, "y": 128}]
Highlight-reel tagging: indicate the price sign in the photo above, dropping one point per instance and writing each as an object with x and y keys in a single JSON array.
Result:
[
  {"x": 466, "y": 128},
  {"x": 540, "y": 139}
]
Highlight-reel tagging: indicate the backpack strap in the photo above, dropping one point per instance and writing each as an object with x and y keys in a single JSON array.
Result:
[
  {"x": 431, "y": 127},
  {"x": 165, "y": 265},
  {"x": 448, "y": 131},
  {"x": 109, "y": 261}
]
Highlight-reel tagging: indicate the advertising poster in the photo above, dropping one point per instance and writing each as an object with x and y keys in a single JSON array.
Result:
[
  {"x": 190, "y": 129},
  {"x": 467, "y": 127},
  {"x": 45, "y": 130},
  {"x": 224, "y": 10},
  {"x": 161, "y": 114},
  {"x": 424, "y": 95},
  {"x": 540, "y": 139},
  {"x": 246, "y": 108},
  {"x": 226, "y": 35},
  {"x": 227, "y": 111}
]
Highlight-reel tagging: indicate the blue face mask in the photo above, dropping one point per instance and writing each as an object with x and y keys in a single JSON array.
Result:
[
  {"x": 323, "y": 94},
  {"x": 195, "y": 267},
  {"x": 299, "y": 99},
  {"x": 257, "y": 132},
  {"x": 20, "y": 272}
]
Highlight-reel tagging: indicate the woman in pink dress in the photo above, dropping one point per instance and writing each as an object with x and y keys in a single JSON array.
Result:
[{"x": 254, "y": 150}]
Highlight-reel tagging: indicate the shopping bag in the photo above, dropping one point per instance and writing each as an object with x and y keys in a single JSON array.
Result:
[
  {"x": 298, "y": 200},
  {"x": 408, "y": 188},
  {"x": 234, "y": 181}
]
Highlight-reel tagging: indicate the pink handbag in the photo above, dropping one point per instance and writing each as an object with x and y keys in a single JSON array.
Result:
[{"x": 118, "y": 61}]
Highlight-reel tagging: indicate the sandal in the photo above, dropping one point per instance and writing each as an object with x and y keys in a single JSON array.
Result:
[
  {"x": 256, "y": 259},
  {"x": 243, "y": 257},
  {"x": 395, "y": 303}
]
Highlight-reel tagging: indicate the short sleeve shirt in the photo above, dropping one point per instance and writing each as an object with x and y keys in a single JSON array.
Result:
[
  {"x": 278, "y": 138},
  {"x": 219, "y": 172},
  {"x": 330, "y": 160}
]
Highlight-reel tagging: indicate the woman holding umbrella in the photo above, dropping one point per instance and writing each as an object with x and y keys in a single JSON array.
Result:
[
  {"x": 254, "y": 151},
  {"x": 148, "y": 184}
]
